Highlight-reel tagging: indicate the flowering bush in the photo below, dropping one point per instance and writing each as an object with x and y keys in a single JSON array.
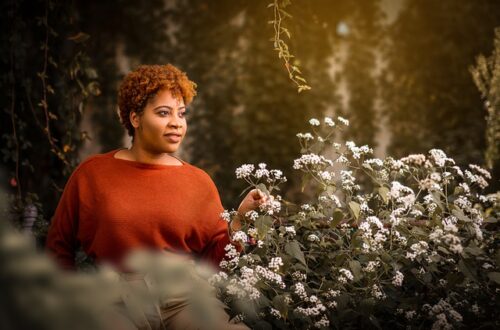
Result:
[{"x": 407, "y": 242}]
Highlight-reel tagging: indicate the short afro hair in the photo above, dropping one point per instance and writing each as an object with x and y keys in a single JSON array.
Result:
[{"x": 142, "y": 84}]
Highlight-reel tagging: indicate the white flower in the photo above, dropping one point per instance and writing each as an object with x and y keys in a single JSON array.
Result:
[
  {"x": 276, "y": 313},
  {"x": 314, "y": 122},
  {"x": 290, "y": 230},
  {"x": 371, "y": 266},
  {"x": 346, "y": 273},
  {"x": 226, "y": 216},
  {"x": 329, "y": 121},
  {"x": 374, "y": 161},
  {"x": 417, "y": 159},
  {"x": 240, "y": 236},
  {"x": 244, "y": 171},
  {"x": 275, "y": 264},
  {"x": 397, "y": 280},
  {"x": 322, "y": 323},
  {"x": 252, "y": 215},
  {"x": 325, "y": 175},
  {"x": 305, "y": 136},
  {"x": 311, "y": 159},
  {"x": 480, "y": 170},
  {"x": 313, "y": 238},
  {"x": 377, "y": 292},
  {"x": 343, "y": 121},
  {"x": 440, "y": 158}
]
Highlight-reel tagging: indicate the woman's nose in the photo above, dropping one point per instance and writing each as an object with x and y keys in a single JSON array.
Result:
[{"x": 174, "y": 122}]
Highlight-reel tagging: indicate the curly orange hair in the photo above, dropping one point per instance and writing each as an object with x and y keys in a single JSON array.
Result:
[{"x": 142, "y": 84}]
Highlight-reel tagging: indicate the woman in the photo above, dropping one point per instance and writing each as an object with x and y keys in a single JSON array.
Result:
[{"x": 144, "y": 197}]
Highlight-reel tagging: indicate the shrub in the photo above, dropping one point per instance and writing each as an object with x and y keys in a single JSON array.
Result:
[{"x": 407, "y": 242}]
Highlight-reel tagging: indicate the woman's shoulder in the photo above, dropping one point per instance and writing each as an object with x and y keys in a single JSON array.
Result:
[{"x": 93, "y": 162}]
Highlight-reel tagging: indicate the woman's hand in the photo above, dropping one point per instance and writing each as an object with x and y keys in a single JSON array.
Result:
[{"x": 252, "y": 200}]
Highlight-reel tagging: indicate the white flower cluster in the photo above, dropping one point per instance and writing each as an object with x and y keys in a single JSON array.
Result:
[
  {"x": 371, "y": 266},
  {"x": 439, "y": 311},
  {"x": 415, "y": 159},
  {"x": 345, "y": 275},
  {"x": 305, "y": 136},
  {"x": 244, "y": 285},
  {"x": 322, "y": 323},
  {"x": 348, "y": 181},
  {"x": 311, "y": 159},
  {"x": 439, "y": 158},
  {"x": 218, "y": 278},
  {"x": 290, "y": 230},
  {"x": 326, "y": 175},
  {"x": 313, "y": 238},
  {"x": 271, "y": 206},
  {"x": 276, "y": 313},
  {"x": 402, "y": 194},
  {"x": 300, "y": 291},
  {"x": 314, "y": 122},
  {"x": 417, "y": 249},
  {"x": 330, "y": 198},
  {"x": 275, "y": 264},
  {"x": 246, "y": 171},
  {"x": 226, "y": 216},
  {"x": 397, "y": 280},
  {"x": 357, "y": 152},
  {"x": 299, "y": 276},
  {"x": 343, "y": 121},
  {"x": 374, "y": 162},
  {"x": 329, "y": 121},
  {"x": 240, "y": 236},
  {"x": 270, "y": 276},
  {"x": 232, "y": 257},
  {"x": 252, "y": 215},
  {"x": 377, "y": 292},
  {"x": 373, "y": 239}
]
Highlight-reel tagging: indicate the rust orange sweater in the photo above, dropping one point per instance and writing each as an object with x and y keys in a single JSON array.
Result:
[{"x": 111, "y": 206}]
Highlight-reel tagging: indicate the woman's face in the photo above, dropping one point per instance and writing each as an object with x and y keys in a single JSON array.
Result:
[{"x": 161, "y": 127}]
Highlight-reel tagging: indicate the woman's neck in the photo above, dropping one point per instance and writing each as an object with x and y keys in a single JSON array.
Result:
[{"x": 143, "y": 156}]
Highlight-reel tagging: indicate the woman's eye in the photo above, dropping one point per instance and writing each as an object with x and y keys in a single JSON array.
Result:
[
  {"x": 163, "y": 113},
  {"x": 183, "y": 114}
]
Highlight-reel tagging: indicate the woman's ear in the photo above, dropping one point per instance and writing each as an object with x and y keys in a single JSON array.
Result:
[{"x": 134, "y": 119}]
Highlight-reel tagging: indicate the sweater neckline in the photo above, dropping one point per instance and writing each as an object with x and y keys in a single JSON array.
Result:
[{"x": 137, "y": 164}]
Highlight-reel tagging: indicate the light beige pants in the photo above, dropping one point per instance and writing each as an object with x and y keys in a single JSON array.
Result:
[{"x": 184, "y": 310}]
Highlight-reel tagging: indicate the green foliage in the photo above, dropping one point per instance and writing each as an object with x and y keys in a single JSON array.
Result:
[
  {"x": 46, "y": 78},
  {"x": 420, "y": 250},
  {"x": 486, "y": 74},
  {"x": 429, "y": 99}
]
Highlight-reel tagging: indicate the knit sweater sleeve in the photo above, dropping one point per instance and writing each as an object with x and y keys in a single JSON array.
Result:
[
  {"x": 218, "y": 236},
  {"x": 61, "y": 239}
]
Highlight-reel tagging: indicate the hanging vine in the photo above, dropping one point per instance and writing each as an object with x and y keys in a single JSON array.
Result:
[{"x": 282, "y": 47}]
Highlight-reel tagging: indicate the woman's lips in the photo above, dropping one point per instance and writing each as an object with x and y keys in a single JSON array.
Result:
[{"x": 174, "y": 138}]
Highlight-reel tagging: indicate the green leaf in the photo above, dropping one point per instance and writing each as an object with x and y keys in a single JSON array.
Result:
[
  {"x": 279, "y": 302},
  {"x": 262, "y": 187},
  {"x": 263, "y": 224},
  {"x": 356, "y": 269},
  {"x": 460, "y": 215},
  {"x": 292, "y": 248},
  {"x": 337, "y": 217},
  {"x": 465, "y": 269},
  {"x": 495, "y": 277},
  {"x": 383, "y": 193},
  {"x": 356, "y": 210}
]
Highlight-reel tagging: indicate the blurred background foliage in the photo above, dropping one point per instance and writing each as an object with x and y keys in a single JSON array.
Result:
[{"x": 400, "y": 70}]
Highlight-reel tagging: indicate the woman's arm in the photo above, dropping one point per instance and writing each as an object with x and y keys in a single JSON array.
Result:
[{"x": 61, "y": 238}]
